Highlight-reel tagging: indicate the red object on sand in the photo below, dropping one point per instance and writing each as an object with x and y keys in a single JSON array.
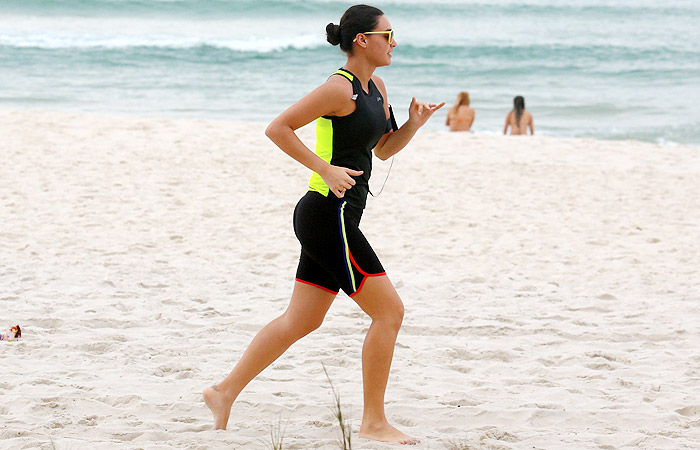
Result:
[{"x": 14, "y": 333}]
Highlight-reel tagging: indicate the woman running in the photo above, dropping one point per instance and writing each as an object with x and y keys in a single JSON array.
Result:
[{"x": 352, "y": 119}]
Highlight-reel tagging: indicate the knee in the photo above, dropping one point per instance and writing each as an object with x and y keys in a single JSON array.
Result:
[
  {"x": 310, "y": 326},
  {"x": 298, "y": 329},
  {"x": 393, "y": 316},
  {"x": 399, "y": 315}
]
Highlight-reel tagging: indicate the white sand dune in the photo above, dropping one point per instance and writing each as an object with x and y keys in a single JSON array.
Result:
[{"x": 552, "y": 289}]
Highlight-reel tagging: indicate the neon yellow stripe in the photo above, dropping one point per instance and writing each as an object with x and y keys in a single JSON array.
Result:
[
  {"x": 344, "y": 73},
  {"x": 347, "y": 246},
  {"x": 324, "y": 145},
  {"x": 324, "y": 149}
]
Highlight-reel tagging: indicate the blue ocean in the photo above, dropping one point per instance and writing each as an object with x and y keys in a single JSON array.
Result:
[{"x": 626, "y": 69}]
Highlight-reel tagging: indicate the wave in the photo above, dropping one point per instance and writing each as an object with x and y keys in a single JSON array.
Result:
[
  {"x": 334, "y": 8},
  {"x": 410, "y": 54},
  {"x": 53, "y": 41},
  {"x": 683, "y": 134},
  {"x": 177, "y": 8},
  {"x": 550, "y": 50}
]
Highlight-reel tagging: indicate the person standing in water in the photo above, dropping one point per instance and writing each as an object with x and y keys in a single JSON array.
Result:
[
  {"x": 461, "y": 116},
  {"x": 352, "y": 119},
  {"x": 518, "y": 119}
]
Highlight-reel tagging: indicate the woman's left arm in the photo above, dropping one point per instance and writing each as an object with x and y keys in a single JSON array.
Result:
[{"x": 394, "y": 141}]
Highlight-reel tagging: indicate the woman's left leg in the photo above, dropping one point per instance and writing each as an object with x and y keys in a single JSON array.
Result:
[{"x": 305, "y": 313}]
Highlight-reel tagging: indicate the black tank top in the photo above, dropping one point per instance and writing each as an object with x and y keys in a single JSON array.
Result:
[{"x": 348, "y": 141}]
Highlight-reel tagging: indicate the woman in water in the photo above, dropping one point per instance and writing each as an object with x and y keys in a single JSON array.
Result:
[
  {"x": 518, "y": 119},
  {"x": 460, "y": 117},
  {"x": 352, "y": 119}
]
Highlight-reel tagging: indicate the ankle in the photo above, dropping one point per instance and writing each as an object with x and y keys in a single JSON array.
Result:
[
  {"x": 227, "y": 394},
  {"x": 374, "y": 423}
]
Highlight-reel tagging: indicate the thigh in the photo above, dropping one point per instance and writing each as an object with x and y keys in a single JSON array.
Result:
[
  {"x": 309, "y": 304},
  {"x": 310, "y": 272},
  {"x": 379, "y": 299},
  {"x": 360, "y": 261}
]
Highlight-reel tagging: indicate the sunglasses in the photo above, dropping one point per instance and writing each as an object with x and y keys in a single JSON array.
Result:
[{"x": 389, "y": 33}]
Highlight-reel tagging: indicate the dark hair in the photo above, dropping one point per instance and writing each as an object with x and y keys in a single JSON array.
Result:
[
  {"x": 357, "y": 19},
  {"x": 519, "y": 104}
]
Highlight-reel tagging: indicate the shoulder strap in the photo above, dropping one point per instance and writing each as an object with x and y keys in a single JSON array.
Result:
[
  {"x": 345, "y": 73},
  {"x": 355, "y": 84}
]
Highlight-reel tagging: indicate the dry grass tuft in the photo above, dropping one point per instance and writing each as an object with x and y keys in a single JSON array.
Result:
[
  {"x": 345, "y": 427},
  {"x": 277, "y": 436}
]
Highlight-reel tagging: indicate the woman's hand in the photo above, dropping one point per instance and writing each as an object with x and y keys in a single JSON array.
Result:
[
  {"x": 419, "y": 112},
  {"x": 393, "y": 142},
  {"x": 339, "y": 179}
]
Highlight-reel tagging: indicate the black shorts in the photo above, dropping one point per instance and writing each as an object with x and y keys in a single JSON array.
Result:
[{"x": 334, "y": 252}]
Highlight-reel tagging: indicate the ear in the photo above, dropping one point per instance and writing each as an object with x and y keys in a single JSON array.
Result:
[{"x": 361, "y": 40}]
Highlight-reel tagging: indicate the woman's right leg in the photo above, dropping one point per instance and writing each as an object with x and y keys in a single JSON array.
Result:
[
  {"x": 381, "y": 302},
  {"x": 305, "y": 313}
]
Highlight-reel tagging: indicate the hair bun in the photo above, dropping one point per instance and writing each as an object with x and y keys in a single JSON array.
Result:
[{"x": 333, "y": 33}]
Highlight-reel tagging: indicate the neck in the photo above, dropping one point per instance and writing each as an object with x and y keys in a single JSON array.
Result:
[{"x": 361, "y": 69}]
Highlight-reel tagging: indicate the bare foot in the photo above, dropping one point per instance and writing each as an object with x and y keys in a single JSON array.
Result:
[
  {"x": 219, "y": 405},
  {"x": 385, "y": 432}
]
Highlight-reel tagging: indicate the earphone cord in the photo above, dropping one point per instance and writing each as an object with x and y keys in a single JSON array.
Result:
[{"x": 387, "y": 177}]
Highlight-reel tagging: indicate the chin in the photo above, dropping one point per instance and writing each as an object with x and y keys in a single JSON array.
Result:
[{"x": 381, "y": 62}]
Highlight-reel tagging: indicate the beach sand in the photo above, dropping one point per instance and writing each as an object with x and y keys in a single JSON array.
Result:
[{"x": 552, "y": 289}]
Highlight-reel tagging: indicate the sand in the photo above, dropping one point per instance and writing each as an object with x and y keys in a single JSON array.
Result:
[{"x": 552, "y": 289}]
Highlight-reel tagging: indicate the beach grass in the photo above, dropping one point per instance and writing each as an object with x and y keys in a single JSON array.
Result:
[
  {"x": 277, "y": 435},
  {"x": 345, "y": 439}
]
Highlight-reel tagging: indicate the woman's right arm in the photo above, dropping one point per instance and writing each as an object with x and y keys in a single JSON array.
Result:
[{"x": 331, "y": 98}]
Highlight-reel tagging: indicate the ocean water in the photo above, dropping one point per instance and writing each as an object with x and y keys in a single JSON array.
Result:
[{"x": 626, "y": 69}]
